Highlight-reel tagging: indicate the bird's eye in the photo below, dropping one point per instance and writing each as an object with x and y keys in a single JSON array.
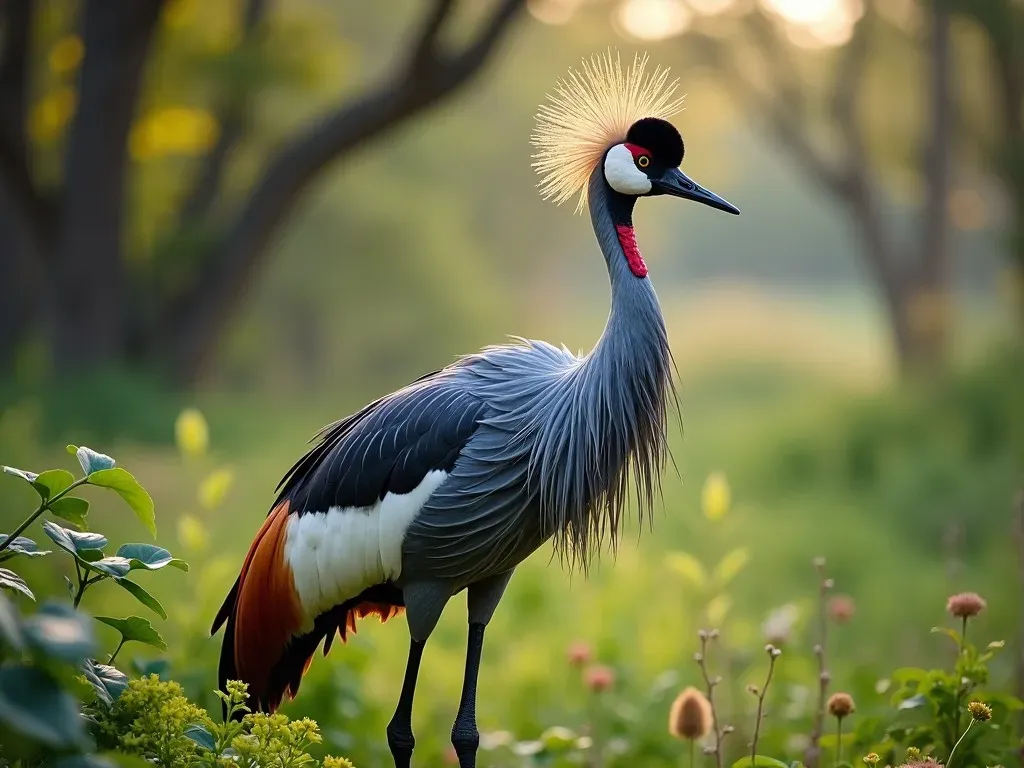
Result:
[{"x": 643, "y": 161}]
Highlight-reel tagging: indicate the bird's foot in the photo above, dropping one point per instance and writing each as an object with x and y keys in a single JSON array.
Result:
[
  {"x": 466, "y": 740},
  {"x": 401, "y": 743}
]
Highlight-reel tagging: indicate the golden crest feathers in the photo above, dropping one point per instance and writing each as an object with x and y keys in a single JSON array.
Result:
[{"x": 589, "y": 111}]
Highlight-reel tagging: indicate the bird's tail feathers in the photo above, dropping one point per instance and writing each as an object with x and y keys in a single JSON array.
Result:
[{"x": 263, "y": 613}]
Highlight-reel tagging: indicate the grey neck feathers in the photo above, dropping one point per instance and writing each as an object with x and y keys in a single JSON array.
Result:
[{"x": 608, "y": 415}]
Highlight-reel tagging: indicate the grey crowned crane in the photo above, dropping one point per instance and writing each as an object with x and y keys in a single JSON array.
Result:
[{"x": 452, "y": 481}]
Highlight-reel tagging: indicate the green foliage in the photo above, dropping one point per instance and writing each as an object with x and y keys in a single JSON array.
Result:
[{"x": 60, "y": 705}]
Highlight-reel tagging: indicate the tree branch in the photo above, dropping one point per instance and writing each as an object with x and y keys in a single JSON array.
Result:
[
  {"x": 194, "y": 322},
  {"x": 426, "y": 46},
  {"x": 232, "y": 116}
]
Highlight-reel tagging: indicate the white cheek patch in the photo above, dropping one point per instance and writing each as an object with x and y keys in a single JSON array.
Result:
[{"x": 621, "y": 173}]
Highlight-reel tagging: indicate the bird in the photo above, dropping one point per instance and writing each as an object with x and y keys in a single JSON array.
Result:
[{"x": 450, "y": 482}]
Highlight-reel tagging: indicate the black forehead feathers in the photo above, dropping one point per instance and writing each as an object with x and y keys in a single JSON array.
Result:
[{"x": 660, "y": 138}]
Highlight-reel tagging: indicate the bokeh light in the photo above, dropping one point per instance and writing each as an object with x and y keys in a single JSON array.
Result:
[
  {"x": 817, "y": 23},
  {"x": 654, "y": 19}
]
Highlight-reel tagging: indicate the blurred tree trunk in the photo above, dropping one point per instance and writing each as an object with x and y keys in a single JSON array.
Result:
[
  {"x": 62, "y": 253},
  {"x": 1002, "y": 22},
  {"x": 88, "y": 265},
  {"x": 912, "y": 278},
  {"x": 22, "y": 209}
]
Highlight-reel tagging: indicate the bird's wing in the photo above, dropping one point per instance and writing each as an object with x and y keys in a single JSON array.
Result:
[
  {"x": 387, "y": 447},
  {"x": 336, "y": 529}
]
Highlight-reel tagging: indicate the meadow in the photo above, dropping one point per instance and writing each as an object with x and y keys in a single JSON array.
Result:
[{"x": 905, "y": 493}]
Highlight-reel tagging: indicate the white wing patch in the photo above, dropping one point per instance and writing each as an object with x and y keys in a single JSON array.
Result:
[
  {"x": 621, "y": 173},
  {"x": 336, "y": 554}
]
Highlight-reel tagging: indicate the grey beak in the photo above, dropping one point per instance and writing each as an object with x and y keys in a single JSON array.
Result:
[{"x": 676, "y": 183}]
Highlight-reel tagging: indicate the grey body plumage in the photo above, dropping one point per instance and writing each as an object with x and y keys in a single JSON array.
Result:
[
  {"x": 511, "y": 447},
  {"x": 559, "y": 442}
]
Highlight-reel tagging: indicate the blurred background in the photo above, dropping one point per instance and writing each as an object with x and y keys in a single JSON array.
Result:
[{"x": 223, "y": 225}]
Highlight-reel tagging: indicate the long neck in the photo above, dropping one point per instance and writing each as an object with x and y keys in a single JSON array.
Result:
[
  {"x": 635, "y": 329},
  {"x": 610, "y": 437}
]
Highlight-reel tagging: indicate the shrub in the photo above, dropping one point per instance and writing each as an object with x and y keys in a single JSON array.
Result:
[{"x": 61, "y": 705}]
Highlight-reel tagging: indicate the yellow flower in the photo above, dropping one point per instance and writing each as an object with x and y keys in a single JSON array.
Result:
[
  {"x": 192, "y": 433},
  {"x": 66, "y": 54},
  {"x": 192, "y": 533},
  {"x": 715, "y": 497},
  {"x": 214, "y": 488}
]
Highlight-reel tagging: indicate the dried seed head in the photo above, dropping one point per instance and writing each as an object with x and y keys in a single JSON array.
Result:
[
  {"x": 714, "y": 633},
  {"x": 841, "y": 608},
  {"x": 727, "y": 729},
  {"x": 819, "y": 562},
  {"x": 840, "y": 705},
  {"x": 965, "y": 605},
  {"x": 828, "y": 583},
  {"x": 703, "y": 634},
  {"x": 690, "y": 717},
  {"x": 825, "y": 677},
  {"x": 980, "y": 711},
  {"x": 698, "y": 657}
]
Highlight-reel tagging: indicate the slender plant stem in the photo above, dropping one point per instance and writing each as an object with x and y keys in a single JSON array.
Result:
[
  {"x": 814, "y": 749},
  {"x": 43, "y": 506},
  {"x": 82, "y": 584},
  {"x": 760, "y": 708},
  {"x": 949, "y": 762},
  {"x": 117, "y": 650},
  {"x": 839, "y": 739},
  {"x": 693, "y": 753},
  {"x": 710, "y": 686},
  {"x": 959, "y": 680}
]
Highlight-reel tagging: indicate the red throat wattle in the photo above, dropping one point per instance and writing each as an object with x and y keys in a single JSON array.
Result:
[{"x": 627, "y": 239}]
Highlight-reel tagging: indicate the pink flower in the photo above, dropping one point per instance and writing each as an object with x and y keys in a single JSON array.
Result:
[
  {"x": 599, "y": 678},
  {"x": 579, "y": 653}
]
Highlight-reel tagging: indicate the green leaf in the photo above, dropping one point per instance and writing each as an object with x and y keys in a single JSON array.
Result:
[
  {"x": 114, "y": 566},
  {"x": 149, "y": 557},
  {"x": 90, "y": 555},
  {"x": 760, "y": 761},
  {"x": 24, "y": 474},
  {"x": 21, "y": 546},
  {"x": 108, "y": 682},
  {"x": 730, "y": 565},
  {"x": 201, "y": 736},
  {"x": 950, "y": 633},
  {"x": 12, "y": 581},
  {"x": 91, "y": 461},
  {"x": 73, "y": 541},
  {"x": 72, "y": 449},
  {"x": 72, "y": 509},
  {"x": 905, "y": 675},
  {"x": 53, "y": 481},
  {"x": 121, "y": 481},
  {"x": 137, "y": 629},
  {"x": 34, "y": 705},
  {"x": 10, "y": 624},
  {"x": 142, "y": 596},
  {"x": 60, "y": 632},
  {"x": 688, "y": 567},
  {"x": 914, "y": 702}
]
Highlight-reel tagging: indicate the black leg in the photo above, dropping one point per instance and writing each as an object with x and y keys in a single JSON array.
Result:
[
  {"x": 465, "y": 736},
  {"x": 400, "y": 738}
]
